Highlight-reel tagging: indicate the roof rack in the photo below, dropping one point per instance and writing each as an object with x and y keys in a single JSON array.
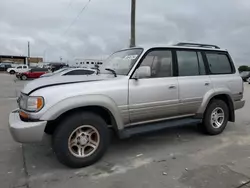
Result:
[{"x": 197, "y": 45}]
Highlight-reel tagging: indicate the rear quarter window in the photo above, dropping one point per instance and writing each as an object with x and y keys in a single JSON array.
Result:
[{"x": 219, "y": 63}]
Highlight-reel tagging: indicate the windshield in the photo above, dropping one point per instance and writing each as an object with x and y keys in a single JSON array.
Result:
[{"x": 122, "y": 61}]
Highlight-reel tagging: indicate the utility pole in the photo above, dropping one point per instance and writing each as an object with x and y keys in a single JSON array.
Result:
[
  {"x": 28, "y": 53},
  {"x": 132, "y": 37}
]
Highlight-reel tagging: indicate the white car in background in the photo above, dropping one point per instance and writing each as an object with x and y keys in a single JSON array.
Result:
[
  {"x": 18, "y": 69},
  {"x": 70, "y": 72},
  {"x": 248, "y": 80}
]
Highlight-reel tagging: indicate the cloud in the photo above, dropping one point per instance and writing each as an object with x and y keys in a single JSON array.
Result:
[{"x": 104, "y": 26}]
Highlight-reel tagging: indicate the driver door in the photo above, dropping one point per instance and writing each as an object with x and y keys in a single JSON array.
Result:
[{"x": 156, "y": 97}]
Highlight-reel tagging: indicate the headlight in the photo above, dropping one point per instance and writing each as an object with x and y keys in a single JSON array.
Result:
[
  {"x": 35, "y": 104},
  {"x": 30, "y": 103}
]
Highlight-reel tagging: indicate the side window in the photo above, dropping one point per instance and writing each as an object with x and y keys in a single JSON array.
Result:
[
  {"x": 83, "y": 72},
  {"x": 80, "y": 72},
  {"x": 201, "y": 64},
  {"x": 71, "y": 73},
  {"x": 19, "y": 67},
  {"x": 88, "y": 72},
  {"x": 187, "y": 63},
  {"x": 219, "y": 63},
  {"x": 25, "y": 67},
  {"x": 160, "y": 62}
]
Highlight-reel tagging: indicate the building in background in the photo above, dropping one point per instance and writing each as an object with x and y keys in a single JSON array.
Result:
[
  {"x": 88, "y": 63},
  {"x": 20, "y": 59},
  {"x": 13, "y": 59},
  {"x": 35, "y": 59}
]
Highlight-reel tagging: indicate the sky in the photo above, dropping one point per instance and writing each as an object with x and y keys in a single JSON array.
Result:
[{"x": 104, "y": 26}]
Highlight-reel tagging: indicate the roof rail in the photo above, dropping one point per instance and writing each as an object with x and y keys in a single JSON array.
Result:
[{"x": 197, "y": 45}]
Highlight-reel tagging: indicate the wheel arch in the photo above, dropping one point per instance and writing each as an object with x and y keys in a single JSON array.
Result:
[
  {"x": 100, "y": 105},
  {"x": 221, "y": 94}
]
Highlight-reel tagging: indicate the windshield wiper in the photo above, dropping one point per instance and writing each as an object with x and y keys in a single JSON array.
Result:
[{"x": 113, "y": 71}]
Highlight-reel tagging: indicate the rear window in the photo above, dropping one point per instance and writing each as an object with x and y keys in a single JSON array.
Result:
[{"x": 219, "y": 63}]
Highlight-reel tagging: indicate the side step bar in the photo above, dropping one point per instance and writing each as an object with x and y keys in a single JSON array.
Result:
[{"x": 151, "y": 127}]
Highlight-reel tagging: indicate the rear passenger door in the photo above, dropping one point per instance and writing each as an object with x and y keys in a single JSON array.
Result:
[
  {"x": 194, "y": 81},
  {"x": 223, "y": 74}
]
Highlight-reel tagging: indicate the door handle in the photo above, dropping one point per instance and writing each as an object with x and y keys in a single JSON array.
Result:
[
  {"x": 207, "y": 84},
  {"x": 172, "y": 87}
]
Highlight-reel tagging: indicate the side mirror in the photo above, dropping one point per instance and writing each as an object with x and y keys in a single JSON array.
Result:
[{"x": 142, "y": 72}]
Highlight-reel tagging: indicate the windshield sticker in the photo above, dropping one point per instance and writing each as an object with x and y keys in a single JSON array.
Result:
[{"x": 130, "y": 57}]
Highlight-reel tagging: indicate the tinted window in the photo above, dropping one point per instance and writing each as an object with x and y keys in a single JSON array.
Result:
[
  {"x": 187, "y": 63},
  {"x": 201, "y": 64},
  {"x": 25, "y": 67},
  {"x": 219, "y": 63},
  {"x": 19, "y": 67},
  {"x": 80, "y": 72},
  {"x": 38, "y": 70},
  {"x": 160, "y": 63}
]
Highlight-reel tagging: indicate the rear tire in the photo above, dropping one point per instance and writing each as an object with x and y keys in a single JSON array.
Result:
[
  {"x": 72, "y": 140},
  {"x": 23, "y": 77},
  {"x": 12, "y": 72},
  {"x": 216, "y": 117}
]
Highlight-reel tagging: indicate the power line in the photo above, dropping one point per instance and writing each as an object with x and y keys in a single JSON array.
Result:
[
  {"x": 72, "y": 23},
  {"x": 78, "y": 15}
]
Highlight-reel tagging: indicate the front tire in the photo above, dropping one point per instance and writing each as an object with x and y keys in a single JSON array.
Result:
[
  {"x": 81, "y": 140},
  {"x": 216, "y": 117}
]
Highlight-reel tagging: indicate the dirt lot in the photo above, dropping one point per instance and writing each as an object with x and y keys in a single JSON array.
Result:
[{"x": 174, "y": 158}]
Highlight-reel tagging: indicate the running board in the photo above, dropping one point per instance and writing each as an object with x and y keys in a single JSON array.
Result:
[{"x": 151, "y": 127}]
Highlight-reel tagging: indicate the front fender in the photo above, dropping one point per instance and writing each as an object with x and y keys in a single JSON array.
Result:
[
  {"x": 212, "y": 93},
  {"x": 83, "y": 101}
]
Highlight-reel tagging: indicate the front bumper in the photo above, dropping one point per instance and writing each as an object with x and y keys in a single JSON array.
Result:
[
  {"x": 25, "y": 132},
  {"x": 239, "y": 104}
]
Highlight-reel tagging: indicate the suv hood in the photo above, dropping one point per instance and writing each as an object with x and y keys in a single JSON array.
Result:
[{"x": 60, "y": 80}]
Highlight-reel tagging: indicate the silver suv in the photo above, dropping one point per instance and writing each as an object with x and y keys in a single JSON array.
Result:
[{"x": 141, "y": 90}]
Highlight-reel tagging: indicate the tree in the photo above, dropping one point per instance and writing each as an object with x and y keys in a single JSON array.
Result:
[{"x": 243, "y": 68}]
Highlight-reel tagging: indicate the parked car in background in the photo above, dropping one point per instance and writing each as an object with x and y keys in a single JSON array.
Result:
[
  {"x": 70, "y": 72},
  {"x": 248, "y": 80},
  {"x": 56, "y": 66},
  {"x": 5, "y": 66},
  {"x": 18, "y": 69},
  {"x": 245, "y": 75},
  {"x": 32, "y": 73},
  {"x": 141, "y": 89}
]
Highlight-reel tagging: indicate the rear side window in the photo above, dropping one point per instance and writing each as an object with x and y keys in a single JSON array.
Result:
[
  {"x": 201, "y": 64},
  {"x": 188, "y": 64},
  {"x": 219, "y": 63}
]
